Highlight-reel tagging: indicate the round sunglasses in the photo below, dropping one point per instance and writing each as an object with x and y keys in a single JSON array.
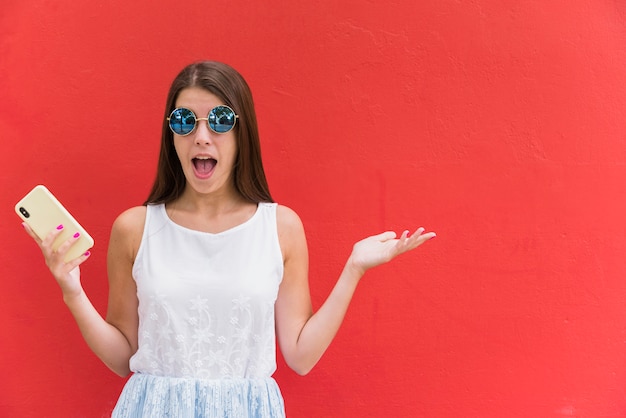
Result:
[{"x": 221, "y": 119}]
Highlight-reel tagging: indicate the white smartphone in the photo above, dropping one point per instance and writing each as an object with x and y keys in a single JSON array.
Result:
[{"x": 44, "y": 213}]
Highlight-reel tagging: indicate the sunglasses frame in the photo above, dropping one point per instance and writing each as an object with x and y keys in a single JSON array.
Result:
[{"x": 197, "y": 119}]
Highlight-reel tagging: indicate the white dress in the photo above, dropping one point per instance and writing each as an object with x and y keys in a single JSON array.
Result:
[{"x": 206, "y": 338}]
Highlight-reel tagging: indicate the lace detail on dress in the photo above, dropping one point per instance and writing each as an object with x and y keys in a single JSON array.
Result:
[{"x": 196, "y": 343}]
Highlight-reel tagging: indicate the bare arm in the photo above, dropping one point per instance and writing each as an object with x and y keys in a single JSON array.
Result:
[
  {"x": 114, "y": 340},
  {"x": 304, "y": 336}
]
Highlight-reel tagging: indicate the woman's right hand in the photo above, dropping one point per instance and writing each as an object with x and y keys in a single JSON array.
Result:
[{"x": 67, "y": 274}]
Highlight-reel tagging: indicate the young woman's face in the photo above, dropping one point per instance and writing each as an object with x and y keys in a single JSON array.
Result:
[{"x": 207, "y": 158}]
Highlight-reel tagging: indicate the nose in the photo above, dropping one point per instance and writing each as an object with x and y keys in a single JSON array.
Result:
[{"x": 203, "y": 135}]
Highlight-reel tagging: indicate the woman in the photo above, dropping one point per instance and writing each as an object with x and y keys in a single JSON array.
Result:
[{"x": 210, "y": 272}]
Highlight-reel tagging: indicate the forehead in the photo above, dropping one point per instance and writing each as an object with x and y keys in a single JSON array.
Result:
[{"x": 197, "y": 99}]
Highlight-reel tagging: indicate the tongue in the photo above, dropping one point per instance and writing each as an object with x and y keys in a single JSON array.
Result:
[{"x": 204, "y": 166}]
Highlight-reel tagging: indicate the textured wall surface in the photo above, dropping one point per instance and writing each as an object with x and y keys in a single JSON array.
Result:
[{"x": 498, "y": 124}]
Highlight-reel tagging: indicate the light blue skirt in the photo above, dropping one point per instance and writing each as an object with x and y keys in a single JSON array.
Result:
[{"x": 147, "y": 396}]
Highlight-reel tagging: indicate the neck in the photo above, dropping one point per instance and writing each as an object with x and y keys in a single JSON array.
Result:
[
  {"x": 211, "y": 212},
  {"x": 223, "y": 201}
]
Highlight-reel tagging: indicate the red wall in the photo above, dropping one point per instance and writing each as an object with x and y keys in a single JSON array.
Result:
[{"x": 498, "y": 124}]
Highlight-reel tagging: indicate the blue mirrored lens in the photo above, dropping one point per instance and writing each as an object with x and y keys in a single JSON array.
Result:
[
  {"x": 222, "y": 119},
  {"x": 182, "y": 121}
]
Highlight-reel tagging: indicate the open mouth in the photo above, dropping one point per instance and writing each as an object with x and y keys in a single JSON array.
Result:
[{"x": 204, "y": 166}]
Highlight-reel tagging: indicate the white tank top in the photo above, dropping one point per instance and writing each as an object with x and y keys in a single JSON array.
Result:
[{"x": 206, "y": 301}]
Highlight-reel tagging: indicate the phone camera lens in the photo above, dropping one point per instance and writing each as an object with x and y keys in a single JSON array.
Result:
[{"x": 24, "y": 212}]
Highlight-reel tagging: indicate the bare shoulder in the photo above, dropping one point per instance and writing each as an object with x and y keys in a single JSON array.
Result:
[
  {"x": 290, "y": 232},
  {"x": 131, "y": 220},
  {"x": 288, "y": 220},
  {"x": 127, "y": 229}
]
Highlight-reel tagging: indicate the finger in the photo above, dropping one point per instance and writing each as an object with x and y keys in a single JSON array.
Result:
[
  {"x": 72, "y": 264},
  {"x": 422, "y": 238},
  {"x": 52, "y": 235},
  {"x": 30, "y": 232},
  {"x": 428, "y": 236},
  {"x": 403, "y": 242},
  {"x": 407, "y": 239},
  {"x": 418, "y": 232},
  {"x": 65, "y": 247}
]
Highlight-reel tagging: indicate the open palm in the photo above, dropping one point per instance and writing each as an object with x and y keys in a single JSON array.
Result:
[{"x": 382, "y": 248}]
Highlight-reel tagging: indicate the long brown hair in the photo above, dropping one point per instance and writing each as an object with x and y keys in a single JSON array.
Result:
[{"x": 227, "y": 84}]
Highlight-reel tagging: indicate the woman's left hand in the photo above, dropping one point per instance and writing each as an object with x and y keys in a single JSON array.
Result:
[{"x": 382, "y": 248}]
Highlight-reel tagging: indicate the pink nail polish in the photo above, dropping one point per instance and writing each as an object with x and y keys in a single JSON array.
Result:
[
  {"x": 87, "y": 254},
  {"x": 76, "y": 235},
  {"x": 60, "y": 227}
]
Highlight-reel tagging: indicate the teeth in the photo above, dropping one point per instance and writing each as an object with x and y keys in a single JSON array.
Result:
[{"x": 202, "y": 158}]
